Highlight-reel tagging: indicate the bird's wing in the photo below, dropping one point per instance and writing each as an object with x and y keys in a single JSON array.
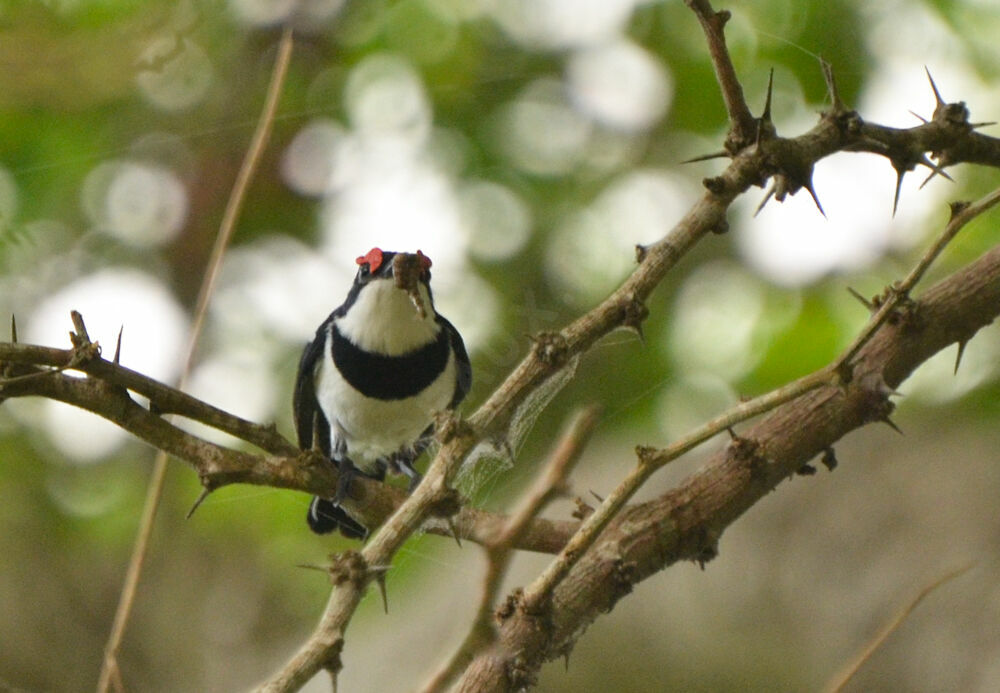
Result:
[
  {"x": 309, "y": 418},
  {"x": 463, "y": 368}
]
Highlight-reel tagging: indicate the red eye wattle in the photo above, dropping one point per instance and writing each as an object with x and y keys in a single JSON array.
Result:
[
  {"x": 425, "y": 262},
  {"x": 373, "y": 259}
]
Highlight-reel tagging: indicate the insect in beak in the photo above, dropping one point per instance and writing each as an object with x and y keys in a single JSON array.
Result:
[{"x": 407, "y": 270}]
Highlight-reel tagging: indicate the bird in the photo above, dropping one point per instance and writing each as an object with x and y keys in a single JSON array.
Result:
[{"x": 371, "y": 381}]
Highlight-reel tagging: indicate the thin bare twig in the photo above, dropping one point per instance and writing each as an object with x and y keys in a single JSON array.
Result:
[
  {"x": 842, "y": 677},
  {"x": 482, "y": 632},
  {"x": 163, "y": 398},
  {"x": 742, "y": 124},
  {"x": 962, "y": 215},
  {"x": 109, "y": 669}
]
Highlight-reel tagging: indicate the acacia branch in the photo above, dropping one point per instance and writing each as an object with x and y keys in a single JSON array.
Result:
[
  {"x": 687, "y": 522},
  {"x": 482, "y": 633},
  {"x": 786, "y": 162}
]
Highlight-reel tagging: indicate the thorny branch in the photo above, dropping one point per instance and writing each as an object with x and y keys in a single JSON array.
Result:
[
  {"x": 482, "y": 632},
  {"x": 638, "y": 540}
]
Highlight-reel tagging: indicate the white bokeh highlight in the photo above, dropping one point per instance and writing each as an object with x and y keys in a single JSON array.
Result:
[
  {"x": 315, "y": 157},
  {"x": 497, "y": 220},
  {"x": 541, "y": 133},
  {"x": 179, "y": 75},
  {"x": 593, "y": 248},
  {"x": 792, "y": 244},
  {"x": 619, "y": 85},
  {"x": 562, "y": 23},
  {"x": 142, "y": 204},
  {"x": 715, "y": 316},
  {"x": 153, "y": 326}
]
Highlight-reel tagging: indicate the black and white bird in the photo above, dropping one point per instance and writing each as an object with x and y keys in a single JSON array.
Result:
[{"x": 371, "y": 380}]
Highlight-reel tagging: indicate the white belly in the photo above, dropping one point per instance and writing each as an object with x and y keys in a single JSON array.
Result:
[{"x": 372, "y": 428}]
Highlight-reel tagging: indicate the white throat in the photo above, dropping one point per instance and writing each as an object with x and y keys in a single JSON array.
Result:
[{"x": 383, "y": 319}]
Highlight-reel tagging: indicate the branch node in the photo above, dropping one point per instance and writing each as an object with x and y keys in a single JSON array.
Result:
[
  {"x": 647, "y": 455},
  {"x": 83, "y": 349},
  {"x": 449, "y": 426},
  {"x": 715, "y": 185},
  {"x": 721, "y": 227},
  {"x": 829, "y": 459},
  {"x": 348, "y": 567},
  {"x": 708, "y": 547},
  {"x": 509, "y": 606},
  {"x": 447, "y": 503},
  {"x": 582, "y": 510},
  {"x": 625, "y": 575},
  {"x": 634, "y": 312},
  {"x": 957, "y": 207},
  {"x": 550, "y": 348}
]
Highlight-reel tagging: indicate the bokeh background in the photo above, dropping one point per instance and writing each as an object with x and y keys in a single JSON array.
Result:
[{"x": 526, "y": 146}]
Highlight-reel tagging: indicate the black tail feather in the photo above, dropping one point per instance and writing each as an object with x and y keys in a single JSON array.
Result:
[{"x": 325, "y": 516}]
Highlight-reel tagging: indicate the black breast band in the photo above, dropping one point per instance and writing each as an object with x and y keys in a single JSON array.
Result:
[{"x": 389, "y": 377}]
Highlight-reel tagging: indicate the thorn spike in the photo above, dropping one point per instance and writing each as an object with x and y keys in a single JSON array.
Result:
[
  {"x": 809, "y": 186},
  {"x": 454, "y": 530},
  {"x": 927, "y": 179},
  {"x": 899, "y": 186},
  {"x": 380, "y": 581},
  {"x": 919, "y": 117},
  {"x": 706, "y": 157},
  {"x": 937, "y": 94},
  {"x": 201, "y": 498},
  {"x": 864, "y": 301},
  {"x": 13, "y": 329},
  {"x": 767, "y": 197},
  {"x": 892, "y": 424},
  {"x": 958, "y": 356},
  {"x": 935, "y": 169},
  {"x": 118, "y": 346},
  {"x": 766, "y": 115}
]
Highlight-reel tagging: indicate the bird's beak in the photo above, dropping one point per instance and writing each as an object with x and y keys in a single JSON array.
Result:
[{"x": 406, "y": 270}]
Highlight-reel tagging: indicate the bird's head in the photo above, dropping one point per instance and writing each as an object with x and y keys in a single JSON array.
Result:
[
  {"x": 409, "y": 273},
  {"x": 389, "y": 309}
]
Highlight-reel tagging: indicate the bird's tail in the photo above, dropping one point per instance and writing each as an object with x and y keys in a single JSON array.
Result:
[{"x": 325, "y": 516}]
